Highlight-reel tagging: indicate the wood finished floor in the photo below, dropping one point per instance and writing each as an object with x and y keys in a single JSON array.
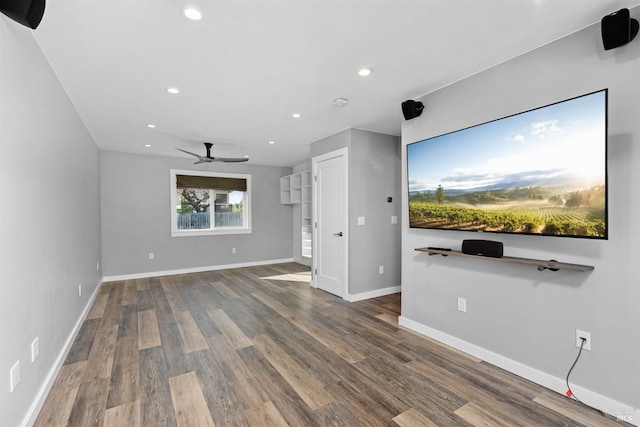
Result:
[{"x": 258, "y": 347}]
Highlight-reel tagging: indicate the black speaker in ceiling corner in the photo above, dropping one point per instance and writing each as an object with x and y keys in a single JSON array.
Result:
[
  {"x": 26, "y": 12},
  {"x": 618, "y": 29},
  {"x": 412, "y": 109},
  {"x": 488, "y": 248}
]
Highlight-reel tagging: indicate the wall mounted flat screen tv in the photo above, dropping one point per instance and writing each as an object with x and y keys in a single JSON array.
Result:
[{"x": 540, "y": 172}]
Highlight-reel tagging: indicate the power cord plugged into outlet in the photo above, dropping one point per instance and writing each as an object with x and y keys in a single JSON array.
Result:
[
  {"x": 570, "y": 394},
  {"x": 587, "y": 339}
]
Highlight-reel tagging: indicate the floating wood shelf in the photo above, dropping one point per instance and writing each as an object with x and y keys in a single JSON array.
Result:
[{"x": 542, "y": 265}]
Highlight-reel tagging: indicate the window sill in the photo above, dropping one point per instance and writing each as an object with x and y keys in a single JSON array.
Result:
[{"x": 194, "y": 233}]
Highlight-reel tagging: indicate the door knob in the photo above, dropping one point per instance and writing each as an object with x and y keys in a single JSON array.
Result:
[{"x": 338, "y": 234}]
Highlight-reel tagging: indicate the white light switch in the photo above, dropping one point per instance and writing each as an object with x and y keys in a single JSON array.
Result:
[
  {"x": 394, "y": 219},
  {"x": 35, "y": 349},
  {"x": 360, "y": 220},
  {"x": 462, "y": 305},
  {"x": 14, "y": 376}
]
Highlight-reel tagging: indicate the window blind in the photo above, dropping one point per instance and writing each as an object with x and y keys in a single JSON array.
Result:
[{"x": 211, "y": 182}]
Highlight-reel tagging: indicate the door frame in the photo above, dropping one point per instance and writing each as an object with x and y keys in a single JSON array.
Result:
[{"x": 344, "y": 153}]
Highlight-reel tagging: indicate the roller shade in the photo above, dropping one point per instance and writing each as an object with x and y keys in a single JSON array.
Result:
[{"x": 211, "y": 182}]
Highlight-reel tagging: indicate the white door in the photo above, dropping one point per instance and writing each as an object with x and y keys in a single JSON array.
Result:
[{"x": 330, "y": 219}]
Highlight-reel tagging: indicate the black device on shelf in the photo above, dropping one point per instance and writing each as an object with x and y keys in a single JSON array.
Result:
[{"x": 488, "y": 248}]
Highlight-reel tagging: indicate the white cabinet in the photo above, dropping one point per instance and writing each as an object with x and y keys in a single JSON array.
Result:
[{"x": 296, "y": 189}]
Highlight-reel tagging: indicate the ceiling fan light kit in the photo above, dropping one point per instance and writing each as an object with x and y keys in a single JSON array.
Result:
[{"x": 209, "y": 159}]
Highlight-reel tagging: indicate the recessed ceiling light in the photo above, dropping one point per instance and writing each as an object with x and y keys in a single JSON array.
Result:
[
  {"x": 272, "y": 142},
  {"x": 147, "y": 145},
  {"x": 151, "y": 126},
  {"x": 192, "y": 12},
  {"x": 296, "y": 115},
  {"x": 173, "y": 90},
  {"x": 365, "y": 71}
]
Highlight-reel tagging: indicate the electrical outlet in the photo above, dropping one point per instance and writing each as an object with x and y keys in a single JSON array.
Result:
[
  {"x": 233, "y": 250},
  {"x": 381, "y": 269},
  {"x": 14, "y": 376},
  {"x": 360, "y": 220},
  {"x": 587, "y": 336},
  {"x": 462, "y": 305},
  {"x": 35, "y": 349},
  {"x": 98, "y": 265},
  {"x": 151, "y": 255},
  {"x": 394, "y": 219},
  {"x": 80, "y": 290}
]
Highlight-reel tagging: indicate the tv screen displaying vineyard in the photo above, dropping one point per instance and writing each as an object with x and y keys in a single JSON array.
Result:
[{"x": 540, "y": 172}]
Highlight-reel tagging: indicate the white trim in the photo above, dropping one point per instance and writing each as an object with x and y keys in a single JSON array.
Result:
[
  {"x": 303, "y": 260},
  {"x": 344, "y": 153},
  {"x": 373, "y": 294},
  {"x": 193, "y": 270},
  {"x": 591, "y": 398},
  {"x": 34, "y": 410},
  {"x": 218, "y": 231}
]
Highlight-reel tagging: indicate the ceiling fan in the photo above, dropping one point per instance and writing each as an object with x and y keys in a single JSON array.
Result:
[{"x": 209, "y": 159}]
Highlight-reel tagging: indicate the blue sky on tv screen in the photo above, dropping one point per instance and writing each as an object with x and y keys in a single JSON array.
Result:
[{"x": 562, "y": 145}]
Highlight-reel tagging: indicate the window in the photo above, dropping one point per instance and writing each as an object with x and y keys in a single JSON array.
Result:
[{"x": 204, "y": 203}]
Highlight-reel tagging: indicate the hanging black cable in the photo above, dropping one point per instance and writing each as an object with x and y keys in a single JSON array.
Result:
[{"x": 569, "y": 392}]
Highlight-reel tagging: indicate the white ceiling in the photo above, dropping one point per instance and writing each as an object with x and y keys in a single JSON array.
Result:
[{"x": 249, "y": 64}]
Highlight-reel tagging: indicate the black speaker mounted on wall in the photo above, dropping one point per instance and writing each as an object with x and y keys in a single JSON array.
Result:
[
  {"x": 412, "y": 109},
  {"x": 618, "y": 29},
  {"x": 26, "y": 12}
]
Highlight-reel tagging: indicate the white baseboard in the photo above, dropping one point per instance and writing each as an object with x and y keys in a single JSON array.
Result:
[
  {"x": 303, "y": 261},
  {"x": 192, "y": 270},
  {"x": 372, "y": 294},
  {"x": 612, "y": 407},
  {"x": 38, "y": 402}
]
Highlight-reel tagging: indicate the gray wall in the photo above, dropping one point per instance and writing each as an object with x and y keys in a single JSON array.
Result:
[
  {"x": 516, "y": 312},
  {"x": 50, "y": 217},
  {"x": 374, "y": 175},
  {"x": 331, "y": 143},
  {"x": 135, "y": 195}
]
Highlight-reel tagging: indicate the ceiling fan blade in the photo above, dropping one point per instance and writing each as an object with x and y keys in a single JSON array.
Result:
[
  {"x": 188, "y": 152},
  {"x": 200, "y": 158},
  {"x": 231, "y": 159}
]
